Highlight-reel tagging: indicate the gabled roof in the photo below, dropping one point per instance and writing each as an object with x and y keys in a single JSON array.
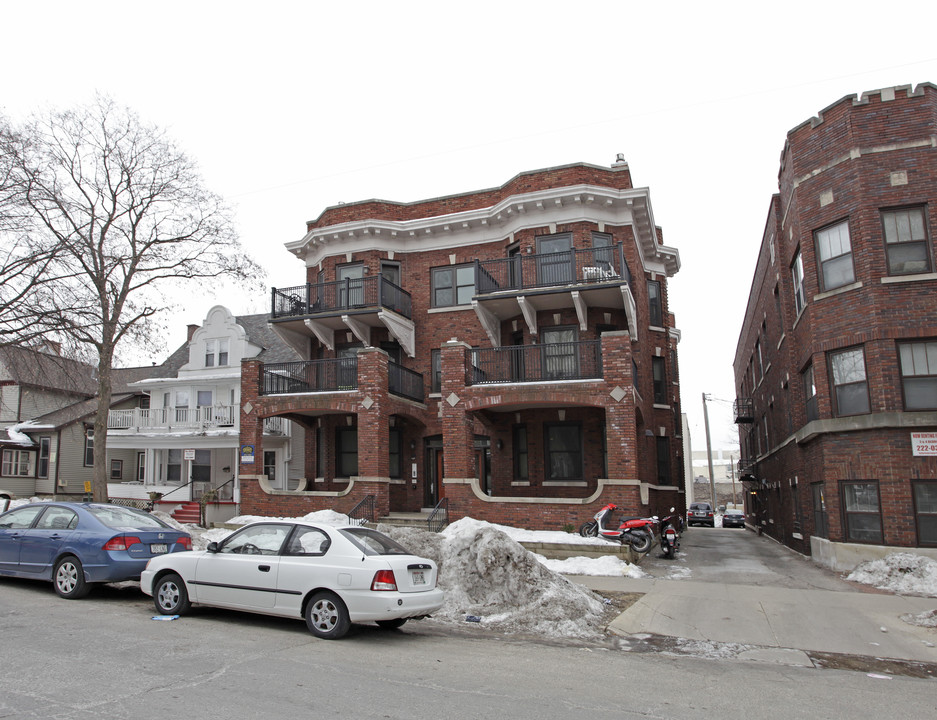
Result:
[{"x": 43, "y": 370}]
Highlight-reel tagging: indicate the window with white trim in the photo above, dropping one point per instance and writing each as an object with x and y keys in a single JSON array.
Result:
[
  {"x": 906, "y": 244},
  {"x": 834, "y": 251},
  {"x": 918, "y": 361},
  {"x": 797, "y": 279},
  {"x": 850, "y": 386}
]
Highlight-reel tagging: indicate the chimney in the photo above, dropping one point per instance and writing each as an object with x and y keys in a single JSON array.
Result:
[{"x": 192, "y": 329}]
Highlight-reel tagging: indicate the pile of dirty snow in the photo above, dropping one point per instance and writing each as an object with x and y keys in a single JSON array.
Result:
[
  {"x": 490, "y": 578},
  {"x": 901, "y": 573},
  {"x": 924, "y": 619}
]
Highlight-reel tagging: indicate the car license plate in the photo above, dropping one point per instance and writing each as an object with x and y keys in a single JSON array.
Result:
[
  {"x": 417, "y": 577},
  {"x": 159, "y": 548}
]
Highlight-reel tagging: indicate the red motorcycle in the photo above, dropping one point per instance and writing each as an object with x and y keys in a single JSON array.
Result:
[{"x": 638, "y": 532}]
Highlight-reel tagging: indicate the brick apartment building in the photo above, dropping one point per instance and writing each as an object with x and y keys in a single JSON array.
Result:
[
  {"x": 507, "y": 354},
  {"x": 836, "y": 365}
]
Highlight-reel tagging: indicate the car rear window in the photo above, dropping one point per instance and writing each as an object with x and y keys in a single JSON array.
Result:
[
  {"x": 118, "y": 517},
  {"x": 371, "y": 542}
]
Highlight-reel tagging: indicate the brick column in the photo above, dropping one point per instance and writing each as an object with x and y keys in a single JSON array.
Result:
[
  {"x": 374, "y": 426},
  {"x": 620, "y": 427},
  {"x": 458, "y": 438},
  {"x": 252, "y": 426}
]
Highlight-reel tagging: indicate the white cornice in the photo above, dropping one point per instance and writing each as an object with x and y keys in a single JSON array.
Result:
[{"x": 578, "y": 203}]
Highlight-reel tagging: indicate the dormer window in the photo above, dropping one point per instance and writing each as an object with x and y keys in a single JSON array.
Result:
[{"x": 216, "y": 353}]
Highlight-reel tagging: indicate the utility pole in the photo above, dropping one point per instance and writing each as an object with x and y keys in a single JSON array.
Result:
[
  {"x": 709, "y": 453},
  {"x": 735, "y": 500}
]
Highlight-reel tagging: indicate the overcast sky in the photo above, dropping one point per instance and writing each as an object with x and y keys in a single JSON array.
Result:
[{"x": 290, "y": 107}]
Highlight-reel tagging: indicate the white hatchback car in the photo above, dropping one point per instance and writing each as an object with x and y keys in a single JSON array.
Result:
[{"x": 331, "y": 576}]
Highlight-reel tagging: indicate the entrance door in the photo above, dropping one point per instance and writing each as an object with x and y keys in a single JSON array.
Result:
[
  {"x": 555, "y": 260},
  {"x": 351, "y": 287},
  {"x": 434, "y": 471}
]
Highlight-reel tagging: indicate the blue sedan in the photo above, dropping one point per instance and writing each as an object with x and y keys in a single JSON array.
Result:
[{"x": 77, "y": 544}]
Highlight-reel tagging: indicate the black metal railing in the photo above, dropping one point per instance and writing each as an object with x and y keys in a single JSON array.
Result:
[
  {"x": 439, "y": 518},
  {"x": 744, "y": 410},
  {"x": 339, "y": 295},
  {"x": 542, "y": 270},
  {"x": 363, "y": 512},
  {"x": 326, "y": 375},
  {"x": 404, "y": 382},
  {"x": 534, "y": 363}
]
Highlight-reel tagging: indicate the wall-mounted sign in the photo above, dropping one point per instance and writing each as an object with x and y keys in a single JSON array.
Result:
[
  {"x": 923, "y": 443},
  {"x": 247, "y": 453}
]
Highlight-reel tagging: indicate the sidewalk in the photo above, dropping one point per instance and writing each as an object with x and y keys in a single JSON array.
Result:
[{"x": 854, "y": 623}]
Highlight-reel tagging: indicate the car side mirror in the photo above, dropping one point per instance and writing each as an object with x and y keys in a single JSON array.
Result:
[{"x": 212, "y": 547}]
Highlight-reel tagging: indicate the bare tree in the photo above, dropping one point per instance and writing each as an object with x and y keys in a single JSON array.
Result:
[{"x": 119, "y": 217}]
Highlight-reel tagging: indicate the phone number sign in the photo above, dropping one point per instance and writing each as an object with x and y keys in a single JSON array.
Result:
[{"x": 923, "y": 443}]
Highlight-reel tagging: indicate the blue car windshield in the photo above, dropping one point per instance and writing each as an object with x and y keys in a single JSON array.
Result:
[{"x": 118, "y": 517}]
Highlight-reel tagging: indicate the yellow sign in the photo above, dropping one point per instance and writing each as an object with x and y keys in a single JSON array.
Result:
[{"x": 87, "y": 486}]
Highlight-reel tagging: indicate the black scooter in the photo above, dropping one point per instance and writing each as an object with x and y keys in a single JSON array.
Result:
[{"x": 670, "y": 528}]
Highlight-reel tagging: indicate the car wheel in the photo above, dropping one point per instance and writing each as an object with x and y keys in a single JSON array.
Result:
[
  {"x": 69, "y": 578},
  {"x": 391, "y": 624},
  {"x": 170, "y": 596},
  {"x": 327, "y": 616}
]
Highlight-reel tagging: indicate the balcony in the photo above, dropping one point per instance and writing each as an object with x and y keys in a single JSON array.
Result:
[
  {"x": 744, "y": 410},
  {"x": 534, "y": 363},
  {"x": 200, "y": 418},
  {"x": 527, "y": 284},
  {"x": 335, "y": 375},
  {"x": 356, "y": 304}
]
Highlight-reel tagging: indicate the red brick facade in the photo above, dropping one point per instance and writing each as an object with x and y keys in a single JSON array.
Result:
[
  {"x": 520, "y": 315},
  {"x": 839, "y": 465}
]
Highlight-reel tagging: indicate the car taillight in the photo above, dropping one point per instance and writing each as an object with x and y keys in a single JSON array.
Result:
[
  {"x": 185, "y": 542},
  {"x": 121, "y": 542},
  {"x": 384, "y": 580}
]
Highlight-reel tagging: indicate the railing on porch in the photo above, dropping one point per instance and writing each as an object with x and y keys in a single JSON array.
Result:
[
  {"x": 327, "y": 375},
  {"x": 439, "y": 518},
  {"x": 348, "y": 294},
  {"x": 362, "y": 512},
  {"x": 534, "y": 363},
  {"x": 207, "y": 416},
  {"x": 404, "y": 382},
  {"x": 543, "y": 270}
]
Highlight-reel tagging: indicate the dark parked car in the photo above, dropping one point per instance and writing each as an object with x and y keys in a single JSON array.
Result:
[
  {"x": 701, "y": 513},
  {"x": 733, "y": 518},
  {"x": 76, "y": 544}
]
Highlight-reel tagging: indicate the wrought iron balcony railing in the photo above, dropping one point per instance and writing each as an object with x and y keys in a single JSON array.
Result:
[
  {"x": 744, "y": 410},
  {"x": 329, "y": 375},
  {"x": 544, "y": 270},
  {"x": 404, "y": 382},
  {"x": 340, "y": 295},
  {"x": 534, "y": 363}
]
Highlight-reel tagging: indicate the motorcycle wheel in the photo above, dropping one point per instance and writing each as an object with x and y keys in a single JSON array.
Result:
[
  {"x": 589, "y": 529},
  {"x": 640, "y": 541}
]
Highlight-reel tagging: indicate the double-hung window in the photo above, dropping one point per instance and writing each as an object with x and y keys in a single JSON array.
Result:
[
  {"x": 810, "y": 394},
  {"x": 906, "y": 242},
  {"x": 15, "y": 462},
  {"x": 563, "y": 445},
  {"x": 453, "y": 285},
  {"x": 851, "y": 389},
  {"x": 835, "y": 253},
  {"x": 89, "y": 447},
  {"x": 655, "y": 306},
  {"x": 660, "y": 380},
  {"x": 919, "y": 374},
  {"x": 862, "y": 511},
  {"x": 925, "y": 511},
  {"x": 216, "y": 353},
  {"x": 797, "y": 280}
]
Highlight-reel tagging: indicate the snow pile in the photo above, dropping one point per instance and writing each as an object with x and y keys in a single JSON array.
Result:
[
  {"x": 901, "y": 573},
  {"x": 925, "y": 619},
  {"x": 490, "y": 578}
]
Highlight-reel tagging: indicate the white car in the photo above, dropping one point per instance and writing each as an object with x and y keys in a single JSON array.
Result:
[{"x": 331, "y": 576}]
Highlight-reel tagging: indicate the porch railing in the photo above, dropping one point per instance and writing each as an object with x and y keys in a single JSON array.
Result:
[
  {"x": 404, "y": 382},
  {"x": 534, "y": 363},
  {"x": 543, "y": 270},
  {"x": 338, "y": 295},
  {"x": 328, "y": 375},
  {"x": 198, "y": 417}
]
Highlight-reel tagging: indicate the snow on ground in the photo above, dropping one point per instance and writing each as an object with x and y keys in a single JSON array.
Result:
[{"x": 902, "y": 573}]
